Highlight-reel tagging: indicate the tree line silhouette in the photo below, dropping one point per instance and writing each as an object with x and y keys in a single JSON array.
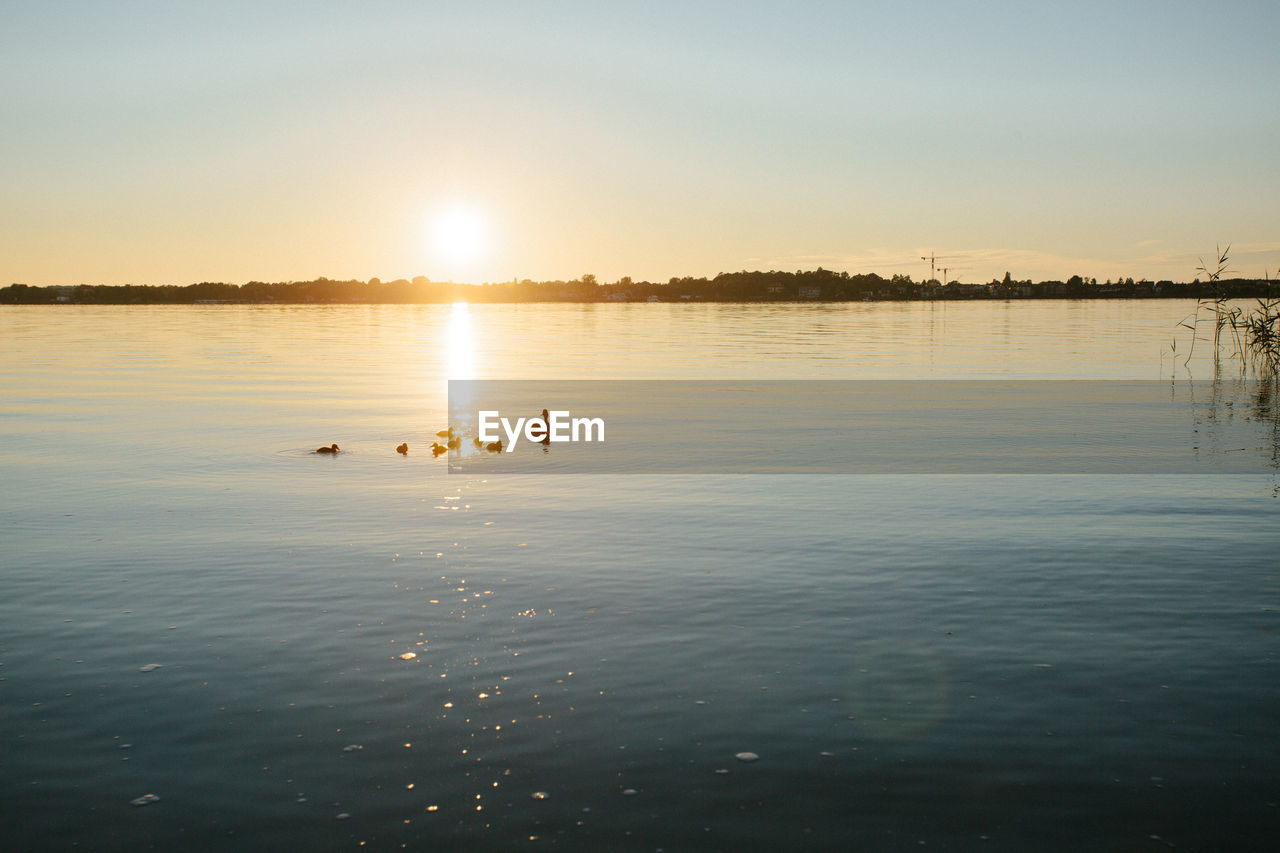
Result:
[{"x": 820, "y": 285}]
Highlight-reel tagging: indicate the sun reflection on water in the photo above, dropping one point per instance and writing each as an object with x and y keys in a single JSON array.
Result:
[{"x": 460, "y": 343}]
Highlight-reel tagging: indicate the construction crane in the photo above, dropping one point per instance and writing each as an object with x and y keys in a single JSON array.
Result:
[{"x": 933, "y": 259}]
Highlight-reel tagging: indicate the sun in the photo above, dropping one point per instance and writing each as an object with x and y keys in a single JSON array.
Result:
[{"x": 458, "y": 239}]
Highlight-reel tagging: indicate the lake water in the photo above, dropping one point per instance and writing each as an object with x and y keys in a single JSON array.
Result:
[{"x": 365, "y": 651}]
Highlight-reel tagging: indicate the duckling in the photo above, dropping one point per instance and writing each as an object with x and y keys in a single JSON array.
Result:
[
  {"x": 453, "y": 443},
  {"x": 446, "y": 433},
  {"x": 494, "y": 446},
  {"x": 437, "y": 448},
  {"x": 333, "y": 448},
  {"x": 479, "y": 442},
  {"x": 403, "y": 449}
]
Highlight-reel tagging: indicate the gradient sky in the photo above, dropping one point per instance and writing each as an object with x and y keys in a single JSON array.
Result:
[{"x": 172, "y": 142}]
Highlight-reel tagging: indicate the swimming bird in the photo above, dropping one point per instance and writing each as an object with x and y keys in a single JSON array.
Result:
[
  {"x": 437, "y": 448},
  {"x": 479, "y": 442},
  {"x": 403, "y": 449},
  {"x": 453, "y": 443},
  {"x": 333, "y": 448},
  {"x": 446, "y": 433},
  {"x": 494, "y": 446}
]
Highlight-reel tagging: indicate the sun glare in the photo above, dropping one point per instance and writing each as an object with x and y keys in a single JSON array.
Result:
[
  {"x": 460, "y": 344},
  {"x": 459, "y": 240}
]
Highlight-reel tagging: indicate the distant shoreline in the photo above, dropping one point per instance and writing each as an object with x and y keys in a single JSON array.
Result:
[{"x": 743, "y": 287}]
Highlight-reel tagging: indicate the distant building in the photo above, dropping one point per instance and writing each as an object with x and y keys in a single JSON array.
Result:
[{"x": 809, "y": 291}]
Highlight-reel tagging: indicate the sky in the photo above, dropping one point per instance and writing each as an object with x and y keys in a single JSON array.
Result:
[{"x": 173, "y": 142}]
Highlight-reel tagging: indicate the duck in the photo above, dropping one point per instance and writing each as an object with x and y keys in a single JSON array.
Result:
[
  {"x": 494, "y": 446},
  {"x": 453, "y": 443},
  {"x": 403, "y": 449},
  {"x": 479, "y": 442},
  {"x": 445, "y": 433},
  {"x": 333, "y": 448},
  {"x": 437, "y": 448}
]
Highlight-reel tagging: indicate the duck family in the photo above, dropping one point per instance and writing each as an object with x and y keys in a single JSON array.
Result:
[{"x": 453, "y": 441}]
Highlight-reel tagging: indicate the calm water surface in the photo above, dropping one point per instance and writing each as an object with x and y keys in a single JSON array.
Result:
[{"x": 965, "y": 662}]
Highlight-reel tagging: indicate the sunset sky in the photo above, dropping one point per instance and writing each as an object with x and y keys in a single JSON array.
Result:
[{"x": 173, "y": 142}]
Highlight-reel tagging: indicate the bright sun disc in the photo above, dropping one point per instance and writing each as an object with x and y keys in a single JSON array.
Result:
[{"x": 459, "y": 237}]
